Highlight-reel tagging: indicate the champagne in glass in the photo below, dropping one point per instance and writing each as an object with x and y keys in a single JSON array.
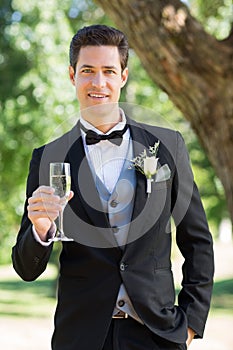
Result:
[{"x": 60, "y": 180}]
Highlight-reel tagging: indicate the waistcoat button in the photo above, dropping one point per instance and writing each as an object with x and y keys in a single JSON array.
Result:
[
  {"x": 122, "y": 266},
  {"x": 113, "y": 203},
  {"x": 121, "y": 303}
]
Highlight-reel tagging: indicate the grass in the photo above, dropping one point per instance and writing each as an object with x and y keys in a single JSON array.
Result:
[
  {"x": 27, "y": 299},
  {"x": 222, "y": 299}
]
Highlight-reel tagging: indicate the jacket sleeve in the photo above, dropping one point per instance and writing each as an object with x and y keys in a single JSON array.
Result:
[
  {"x": 195, "y": 243},
  {"x": 29, "y": 257}
]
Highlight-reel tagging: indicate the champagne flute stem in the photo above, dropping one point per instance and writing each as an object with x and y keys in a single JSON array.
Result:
[{"x": 60, "y": 224}]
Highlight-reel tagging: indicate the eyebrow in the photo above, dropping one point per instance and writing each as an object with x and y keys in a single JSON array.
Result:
[{"x": 89, "y": 66}]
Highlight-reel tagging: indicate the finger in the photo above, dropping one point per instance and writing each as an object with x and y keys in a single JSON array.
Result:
[
  {"x": 44, "y": 209},
  {"x": 35, "y": 215},
  {"x": 71, "y": 195},
  {"x": 44, "y": 206},
  {"x": 44, "y": 189},
  {"x": 42, "y": 197}
]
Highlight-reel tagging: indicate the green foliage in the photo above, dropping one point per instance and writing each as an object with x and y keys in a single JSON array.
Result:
[
  {"x": 37, "y": 101},
  {"x": 208, "y": 8},
  {"x": 210, "y": 187},
  {"x": 85, "y": 13},
  {"x": 215, "y": 15},
  {"x": 36, "y": 96}
]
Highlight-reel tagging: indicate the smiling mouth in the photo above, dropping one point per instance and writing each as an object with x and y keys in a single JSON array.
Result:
[{"x": 98, "y": 96}]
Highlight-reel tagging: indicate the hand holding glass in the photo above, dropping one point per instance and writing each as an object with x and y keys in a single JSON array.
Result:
[{"x": 60, "y": 180}]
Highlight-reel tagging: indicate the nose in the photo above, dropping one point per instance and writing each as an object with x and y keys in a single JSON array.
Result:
[{"x": 99, "y": 80}]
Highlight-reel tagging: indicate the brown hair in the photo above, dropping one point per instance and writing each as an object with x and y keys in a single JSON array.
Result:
[{"x": 98, "y": 35}]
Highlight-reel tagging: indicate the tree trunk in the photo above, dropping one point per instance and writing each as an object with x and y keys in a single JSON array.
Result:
[{"x": 192, "y": 67}]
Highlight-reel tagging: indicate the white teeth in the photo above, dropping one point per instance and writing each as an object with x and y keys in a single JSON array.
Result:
[{"x": 97, "y": 96}]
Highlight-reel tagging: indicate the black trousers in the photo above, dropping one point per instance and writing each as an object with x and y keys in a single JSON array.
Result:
[{"x": 128, "y": 334}]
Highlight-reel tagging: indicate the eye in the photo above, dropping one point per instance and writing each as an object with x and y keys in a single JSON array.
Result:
[
  {"x": 86, "y": 70},
  {"x": 110, "y": 71}
]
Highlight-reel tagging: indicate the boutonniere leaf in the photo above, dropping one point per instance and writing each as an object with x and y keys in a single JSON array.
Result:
[{"x": 147, "y": 164}]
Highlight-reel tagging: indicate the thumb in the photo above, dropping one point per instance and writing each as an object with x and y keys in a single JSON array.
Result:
[{"x": 71, "y": 195}]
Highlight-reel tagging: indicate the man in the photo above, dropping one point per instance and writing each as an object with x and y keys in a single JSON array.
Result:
[{"x": 116, "y": 287}]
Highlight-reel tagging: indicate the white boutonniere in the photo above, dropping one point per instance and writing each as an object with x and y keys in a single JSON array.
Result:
[{"x": 147, "y": 164}]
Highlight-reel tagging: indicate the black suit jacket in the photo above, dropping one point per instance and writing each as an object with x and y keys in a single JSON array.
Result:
[{"x": 93, "y": 266}]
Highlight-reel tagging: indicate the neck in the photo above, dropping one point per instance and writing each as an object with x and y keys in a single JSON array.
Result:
[{"x": 103, "y": 122}]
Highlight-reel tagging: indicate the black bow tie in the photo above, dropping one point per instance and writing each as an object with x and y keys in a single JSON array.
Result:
[{"x": 115, "y": 136}]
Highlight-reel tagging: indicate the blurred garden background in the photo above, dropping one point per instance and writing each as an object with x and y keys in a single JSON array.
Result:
[{"x": 37, "y": 104}]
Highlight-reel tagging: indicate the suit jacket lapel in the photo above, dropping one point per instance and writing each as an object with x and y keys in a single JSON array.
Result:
[
  {"x": 83, "y": 181},
  {"x": 142, "y": 213},
  {"x": 139, "y": 144},
  {"x": 98, "y": 233}
]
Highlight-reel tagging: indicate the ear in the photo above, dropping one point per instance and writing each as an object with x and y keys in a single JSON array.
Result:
[
  {"x": 72, "y": 75},
  {"x": 124, "y": 77}
]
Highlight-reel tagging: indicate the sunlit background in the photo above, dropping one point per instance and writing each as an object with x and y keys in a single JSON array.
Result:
[{"x": 37, "y": 104}]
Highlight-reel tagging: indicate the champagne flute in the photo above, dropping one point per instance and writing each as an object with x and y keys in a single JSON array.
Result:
[{"x": 60, "y": 180}]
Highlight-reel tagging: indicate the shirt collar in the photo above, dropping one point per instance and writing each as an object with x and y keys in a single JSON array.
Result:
[{"x": 118, "y": 126}]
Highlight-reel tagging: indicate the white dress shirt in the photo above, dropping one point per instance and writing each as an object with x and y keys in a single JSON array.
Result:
[{"x": 105, "y": 157}]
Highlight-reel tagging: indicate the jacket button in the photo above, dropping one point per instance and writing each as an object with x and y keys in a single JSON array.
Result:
[
  {"x": 121, "y": 303},
  {"x": 113, "y": 203},
  {"x": 122, "y": 266},
  {"x": 36, "y": 260}
]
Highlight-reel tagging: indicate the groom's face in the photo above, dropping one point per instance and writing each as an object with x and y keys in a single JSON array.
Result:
[{"x": 98, "y": 78}]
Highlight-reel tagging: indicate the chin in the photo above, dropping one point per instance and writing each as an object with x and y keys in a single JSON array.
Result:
[{"x": 101, "y": 110}]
